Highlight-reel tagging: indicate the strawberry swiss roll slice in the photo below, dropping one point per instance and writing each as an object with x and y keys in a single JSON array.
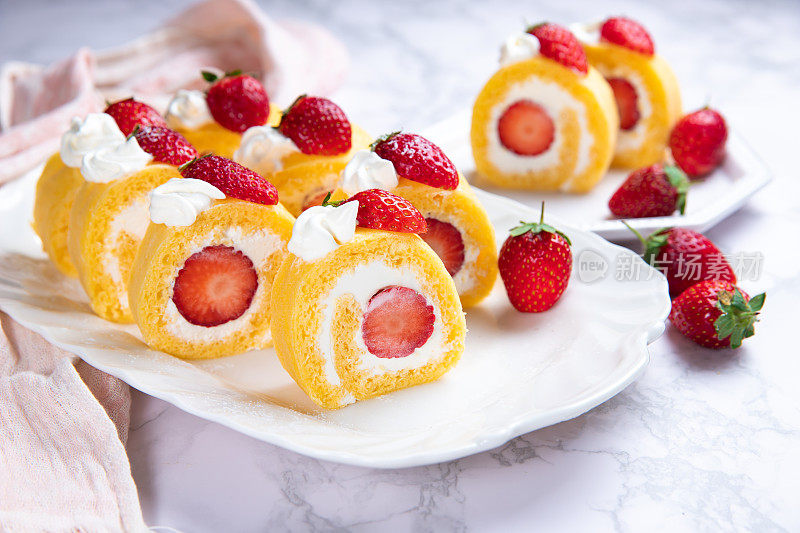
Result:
[
  {"x": 61, "y": 177},
  {"x": 60, "y": 180},
  {"x": 545, "y": 120},
  {"x": 645, "y": 88},
  {"x": 213, "y": 121},
  {"x": 109, "y": 215},
  {"x": 458, "y": 228},
  {"x": 358, "y": 312},
  {"x": 202, "y": 280},
  {"x": 304, "y": 155}
]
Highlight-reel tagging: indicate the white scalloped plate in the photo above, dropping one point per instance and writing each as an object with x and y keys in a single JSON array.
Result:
[
  {"x": 518, "y": 373},
  {"x": 709, "y": 201}
]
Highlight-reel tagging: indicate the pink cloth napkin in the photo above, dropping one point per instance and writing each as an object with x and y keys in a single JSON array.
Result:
[{"x": 63, "y": 424}]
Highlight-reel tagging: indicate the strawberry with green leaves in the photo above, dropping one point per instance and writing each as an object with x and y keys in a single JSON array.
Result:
[
  {"x": 716, "y": 314},
  {"x": 535, "y": 264},
  {"x": 653, "y": 191}
]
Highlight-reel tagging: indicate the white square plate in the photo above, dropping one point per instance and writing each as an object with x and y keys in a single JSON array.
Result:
[
  {"x": 519, "y": 372},
  {"x": 709, "y": 200}
]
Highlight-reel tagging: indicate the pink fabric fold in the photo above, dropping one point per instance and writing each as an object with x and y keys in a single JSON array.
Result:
[
  {"x": 63, "y": 424},
  {"x": 62, "y": 464},
  {"x": 36, "y": 103}
]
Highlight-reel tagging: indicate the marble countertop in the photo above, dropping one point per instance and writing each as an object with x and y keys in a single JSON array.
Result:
[{"x": 703, "y": 441}]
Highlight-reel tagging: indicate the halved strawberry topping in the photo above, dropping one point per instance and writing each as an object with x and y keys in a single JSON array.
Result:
[
  {"x": 525, "y": 128},
  {"x": 627, "y": 102},
  {"x": 446, "y": 241},
  {"x": 379, "y": 209},
  {"x": 317, "y": 126},
  {"x": 559, "y": 44},
  {"x": 397, "y": 321},
  {"x": 417, "y": 159},
  {"x": 165, "y": 145},
  {"x": 130, "y": 113},
  {"x": 628, "y": 33},
  {"x": 232, "y": 179},
  {"x": 237, "y": 101},
  {"x": 215, "y": 285}
]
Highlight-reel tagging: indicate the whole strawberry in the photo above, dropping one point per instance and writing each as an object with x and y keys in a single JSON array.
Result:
[
  {"x": 698, "y": 141},
  {"x": 416, "y": 158},
  {"x": 559, "y": 44},
  {"x": 130, "y": 113},
  {"x": 317, "y": 126},
  {"x": 535, "y": 263},
  {"x": 380, "y": 209},
  {"x": 651, "y": 192},
  {"x": 685, "y": 257},
  {"x": 716, "y": 314},
  {"x": 625, "y": 32},
  {"x": 231, "y": 178},
  {"x": 165, "y": 145},
  {"x": 237, "y": 101}
]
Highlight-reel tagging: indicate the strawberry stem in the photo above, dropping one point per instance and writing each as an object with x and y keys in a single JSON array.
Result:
[
  {"x": 678, "y": 179},
  {"x": 537, "y": 227},
  {"x": 738, "y": 316},
  {"x": 382, "y": 138}
]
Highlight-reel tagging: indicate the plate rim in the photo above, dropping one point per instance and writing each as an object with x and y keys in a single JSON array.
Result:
[{"x": 637, "y": 339}]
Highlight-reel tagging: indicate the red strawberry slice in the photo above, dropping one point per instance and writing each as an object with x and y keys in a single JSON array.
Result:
[
  {"x": 379, "y": 209},
  {"x": 559, "y": 44},
  {"x": 237, "y": 101},
  {"x": 628, "y": 33},
  {"x": 215, "y": 285},
  {"x": 317, "y": 126},
  {"x": 416, "y": 158},
  {"x": 129, "y": 113},
  {"x": 525, "y": 128},
  {"x": 627, "y": 102},
  {"x": 398, "y": 320},
  {"x": 698, "y": 142},
  {"x": 446, "y": 241},
  {"x": 165, "y": 145},
  {"x": 232, "y": 179}
]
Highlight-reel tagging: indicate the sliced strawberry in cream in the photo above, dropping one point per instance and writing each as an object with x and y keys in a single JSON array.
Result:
[
  {"x": 525, "y": 128},
  {"x": 397, "y": 321},
  {"x": 215, "y": 285},
  {"x": 446, "y": 241},
  {"x": 627, "y": 102}
]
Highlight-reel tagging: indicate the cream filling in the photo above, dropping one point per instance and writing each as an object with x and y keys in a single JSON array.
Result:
[
  {"x": 133, "y": 220},
  {"x": 554, "y": 99},
  {"x": 257, "y": 245},
  {"x": 362, "y": 283},
  {"x": 634, "y": 138}
]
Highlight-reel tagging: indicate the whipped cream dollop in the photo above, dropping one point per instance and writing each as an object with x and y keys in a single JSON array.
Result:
[
  {"x": 112, "y": 162},
  {"x": 518, "y": 47},
  {"x": 179, "y": 201},
  {"x": 263, "y": 149},
  {"x": 319, "y": 230},
  {"x": 586, "y": 32},
  {"x": 188, "y": 110},
  {"x": 367, "y": 170},
  {"x": 83, "y": 136}
]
